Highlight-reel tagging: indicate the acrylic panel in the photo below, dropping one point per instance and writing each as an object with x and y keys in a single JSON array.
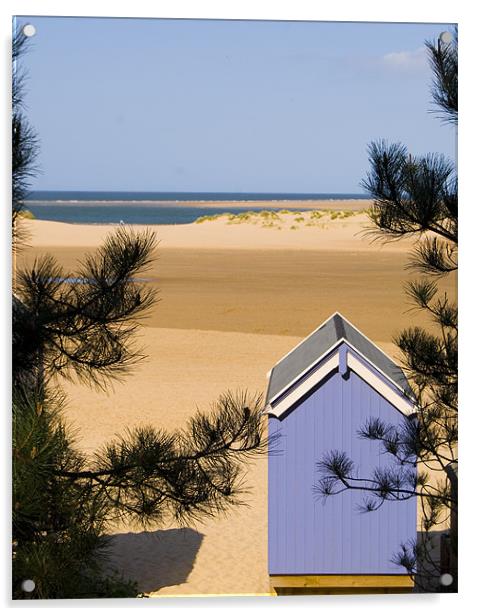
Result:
[{"x": 218, "y": 231}]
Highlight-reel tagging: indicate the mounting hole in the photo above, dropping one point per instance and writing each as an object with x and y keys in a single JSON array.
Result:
[
  {"x": 446, "y": 579},
  {"x": 29, "y": 30},
  {"x": 28, "y": 585},
  {"x": 445, "y": 37}
]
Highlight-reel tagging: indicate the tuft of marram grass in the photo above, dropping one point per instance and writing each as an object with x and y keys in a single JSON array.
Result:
[
  {"x": 27, "y": 214},
  {"x": 267, "y": 218},
  {"x": 208, "y": 218}
]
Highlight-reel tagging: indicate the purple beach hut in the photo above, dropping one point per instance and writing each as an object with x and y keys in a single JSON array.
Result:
[{"x": 319, "y": 396}]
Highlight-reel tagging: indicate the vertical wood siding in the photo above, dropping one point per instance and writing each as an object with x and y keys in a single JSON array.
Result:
[{"x": 308, "y": 535}]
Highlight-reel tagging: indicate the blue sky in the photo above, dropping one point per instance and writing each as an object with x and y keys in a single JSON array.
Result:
[{"x": 239, "y": 106}]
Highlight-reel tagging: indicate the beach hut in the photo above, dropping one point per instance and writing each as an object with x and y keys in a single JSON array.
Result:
[{"x": 319, "y": 395}]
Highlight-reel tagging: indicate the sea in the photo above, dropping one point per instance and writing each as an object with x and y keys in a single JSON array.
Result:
[{"x": 154, "y": 208}]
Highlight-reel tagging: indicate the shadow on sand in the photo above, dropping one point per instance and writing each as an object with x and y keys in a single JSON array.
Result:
[{"x": 155, "y": 559}]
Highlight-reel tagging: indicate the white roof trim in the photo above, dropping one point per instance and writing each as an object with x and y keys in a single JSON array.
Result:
[
  {"x": 377, "y": 368},
  {"x": 404, "y": 405},
  {"x": 333, "y": 346},
  {"x": 307, "y": 369},
  {"x": 304, "y": 387},
  {"x": 317, "y": 361}
]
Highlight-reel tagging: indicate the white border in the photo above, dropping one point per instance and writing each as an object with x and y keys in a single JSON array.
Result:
[{"x": 436, "y": 11}]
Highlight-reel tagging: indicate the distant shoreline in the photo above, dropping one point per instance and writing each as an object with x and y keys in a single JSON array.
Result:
[{"x": 312, "y": 204}]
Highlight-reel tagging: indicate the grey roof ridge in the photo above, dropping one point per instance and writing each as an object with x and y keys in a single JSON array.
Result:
[
  {"x": 336, "y": 313},
  {"x": 306, "y": 338},
  {"x": 331, "y": 348}
]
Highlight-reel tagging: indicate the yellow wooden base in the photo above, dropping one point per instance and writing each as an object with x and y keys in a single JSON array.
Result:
[{"x": 340, "y": 584}]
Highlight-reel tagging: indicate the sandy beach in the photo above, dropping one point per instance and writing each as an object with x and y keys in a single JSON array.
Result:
[{"x": 234, "y": 298}]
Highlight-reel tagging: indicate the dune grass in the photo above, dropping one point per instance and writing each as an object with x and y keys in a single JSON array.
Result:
[
  {"x": 294, "y": 220},
  {"x": 27, "y": 214}
]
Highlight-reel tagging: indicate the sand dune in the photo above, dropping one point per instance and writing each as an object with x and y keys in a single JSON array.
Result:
[{"x": 325, "y": 234}]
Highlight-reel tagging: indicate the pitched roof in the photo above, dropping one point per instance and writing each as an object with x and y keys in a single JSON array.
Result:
[{"x": 318, "y": 343}]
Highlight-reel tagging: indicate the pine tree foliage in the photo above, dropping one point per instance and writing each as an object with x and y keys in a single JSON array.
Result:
[
  {"x": 417, "y": 197},
  {"x": 444, "y": 63},
  {"x": 24, "y": 142},
  {"x": 412, "y": 195},
  {"x": 82, "y": 324}
]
